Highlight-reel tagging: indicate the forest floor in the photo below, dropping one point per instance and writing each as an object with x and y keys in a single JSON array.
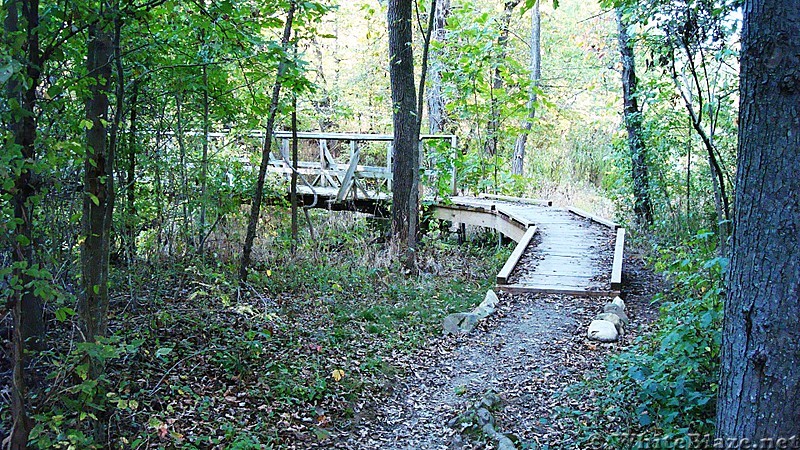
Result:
[
  {"x": 333, "y": 348},
  {"x": 530, "y": 353}
]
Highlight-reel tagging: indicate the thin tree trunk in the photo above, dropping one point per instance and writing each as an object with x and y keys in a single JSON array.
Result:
[
  {"x": 130, "y": 178},
  {"x": 184, "y": 179},
  {"x": 204, "y": 162},
  {"x": 721, "y": 200},
  {"x": 25, "y": 306},
  {"x": 759, "y": 396},
  {"x": 518, "y": 161},
  {"x": 293, "y": 187},
  {"x": 255, "y": 209},
  {"x": 98, "y": 179},
  {"x": 492, "y": 136},
  {"x": 424, "y": 72},
  {"x": 642, "y": 204},
  {"x": 405, "y": 164},
  {"x": 436, "y": 102}
]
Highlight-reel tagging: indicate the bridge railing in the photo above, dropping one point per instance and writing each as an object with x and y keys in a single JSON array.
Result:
[{"x": 336, "y": 165}]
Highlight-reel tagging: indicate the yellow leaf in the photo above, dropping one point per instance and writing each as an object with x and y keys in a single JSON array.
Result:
[
  {"x": 337, "y": 374},
  {"x": 269, "y": 273}
]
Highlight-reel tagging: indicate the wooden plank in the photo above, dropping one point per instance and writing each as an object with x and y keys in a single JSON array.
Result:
[
  {"x": 593, "y": 218},
  {"x": 347, "y": 180},
  {"x": 561, "y": 279},
  {"x": 510, "y": 229},
  {"x": 529, "y": 201},
  {"x": 502, "y": 277},
  {"x": 616, "y": 268},
  {"x": 514, "y": 215},
  {"x": 537, "y": 289},
  {"x": 481, "y": 218}
]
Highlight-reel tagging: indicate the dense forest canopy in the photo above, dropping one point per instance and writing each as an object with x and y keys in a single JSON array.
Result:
[{"x": 150, "y": 265}]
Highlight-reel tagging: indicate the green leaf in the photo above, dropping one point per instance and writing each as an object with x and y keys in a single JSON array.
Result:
[
  {"x": 94, "y": 198},
  {"x": 87, "y": 124},
  {"x": 163, "y": 351}
]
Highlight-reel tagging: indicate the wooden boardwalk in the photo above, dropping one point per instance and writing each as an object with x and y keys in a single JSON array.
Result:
[{"x": 559, "y": 250}]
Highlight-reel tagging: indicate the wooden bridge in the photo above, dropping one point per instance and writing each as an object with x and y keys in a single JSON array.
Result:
[{"x": 559, "y": 250}]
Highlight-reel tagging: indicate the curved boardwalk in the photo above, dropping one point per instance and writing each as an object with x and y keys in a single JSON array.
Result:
[{"x": 568, "y": 254}]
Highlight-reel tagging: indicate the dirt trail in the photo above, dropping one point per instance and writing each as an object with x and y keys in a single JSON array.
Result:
[{"x": 528, "y": 352}]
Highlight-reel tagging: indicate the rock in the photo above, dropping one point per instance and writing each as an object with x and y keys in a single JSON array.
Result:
[
  {"x": 484, "y": 417},
  {"x": 490, "y": 400},
  {"x": 615, "y": 309},
  {"x": 490, "y": 299},
  {"x": 460, "y": 323},
  {"x": 602, "y": 331},
  {"x": 613, "y": 318},
  {"x": 503, "y": 442},
  {"x": 619, "y": 302},
  {"x": 487, "y": 306}
]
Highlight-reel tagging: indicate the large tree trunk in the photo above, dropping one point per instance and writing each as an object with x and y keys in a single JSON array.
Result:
[
  {"x": 642, "y": 205},
  {"x": 437, "y": 117},
  {"x": 759, "y": 395},
  {"x": 98, "y": 180},
  {"x": 26, "y": 307},
  {"x": 518, "y": 161},
  {"x": 255, "y": 208},
  {"x": 492, "y": 137},
  {"x": 405, "y": 164}
]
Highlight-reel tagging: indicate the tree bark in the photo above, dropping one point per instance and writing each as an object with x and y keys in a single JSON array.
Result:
[
  {"x": 22, "y": 16},
  {"x": 437, "y": 117},
  {"x": 642, "y": 204},
  {"x": 518, "y": 161},
  {"x": 497, "y": 80},
  {"x": 98, "y": 180},
  {"x": 130, "y": 177},
  {"x": 405, "y": 164},
  {"x": 759, "y": 395},
  {"x": 255, "y": 208}
]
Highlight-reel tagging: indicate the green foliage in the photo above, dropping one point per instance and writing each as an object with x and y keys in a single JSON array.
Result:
[
  {"x": 666, "y": 384},
  {"x": 76, "y": 399}
]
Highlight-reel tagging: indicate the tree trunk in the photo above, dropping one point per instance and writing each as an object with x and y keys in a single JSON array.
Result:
[
  {"x": 22, "y": 16},
  {"x": 642, "y": 204},
  {"x": 497, "y": 80},
  {"x": 437, "y": 117},
  {"x": 405, "y": 164},
  {"x": 518, "y": 161},
  {"x": 130, "y": 178},
  {"x": 759, "y": 395},
  {"x": 255, "y": 208},
  {"x": 98, "y": 180},
  {"x": 204, "y": 163}
]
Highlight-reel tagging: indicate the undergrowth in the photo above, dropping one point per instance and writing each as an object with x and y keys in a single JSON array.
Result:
[
  {"x": 661, "y": 392},
  {"x": 195, "y": 360}
]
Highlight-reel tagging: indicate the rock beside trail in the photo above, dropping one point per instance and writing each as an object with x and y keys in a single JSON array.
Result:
[
  {"x": 463, "y": 323},
  {"x": 613, "y": 318},
  {"x": 602, "y": 331},
  {"x": 615, "y": 309},
  {"x": 460, "y": 323}
]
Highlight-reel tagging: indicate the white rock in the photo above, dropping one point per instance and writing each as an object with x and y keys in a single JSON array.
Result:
[
  {"x": 613, "y": 318},
  {"x": 490, "y": 299},
  {"x": 603, "y": 331},
  {"x": 619, "y": 302},
  {"x": 487, "y": 306}
]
